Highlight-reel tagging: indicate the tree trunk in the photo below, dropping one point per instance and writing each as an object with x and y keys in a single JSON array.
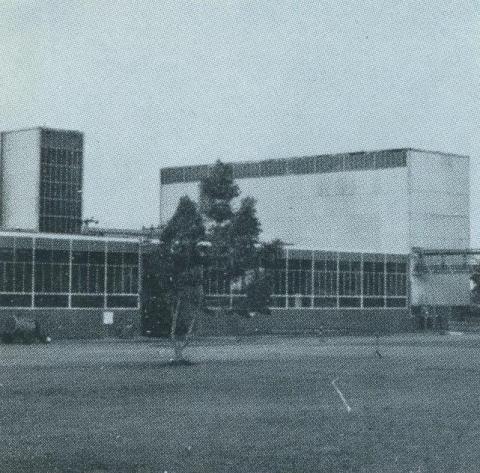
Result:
[
  {"x": 178, "y": 352},
  {"x": 188, "y": 335},
  {"x": 179, "y": 345},
  {"x": 176, "y": 344}
]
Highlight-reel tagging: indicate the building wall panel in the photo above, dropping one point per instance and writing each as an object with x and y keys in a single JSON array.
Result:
[
  {"x": 439, "y": 218},
  {"x": 308, "y": 321},
  {"x": 439, "y": 200},
  {"x": 441, "y": 290},
  {"x": 364, "y": 211},
  {"x": 61, "y": 172},
  {"x": 21, "y": 179},
  {"x": 80, "y": 323}
]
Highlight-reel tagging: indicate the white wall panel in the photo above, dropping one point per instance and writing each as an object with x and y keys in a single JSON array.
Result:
[
  {"x": 21, "y": 179},
  {"x": 439, "y": 218},
  {"x": 436, "y": 171},
  {"x": 443, "y": 203},
  {"x": 364, "y": 211},
  {"x": 441, "y": 289},
  {"x": 440, "y": 231},
  {"x": 439, "y": 197}
]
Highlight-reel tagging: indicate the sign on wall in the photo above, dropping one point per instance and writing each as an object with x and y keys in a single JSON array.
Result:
[{"x": 108, "y": 318}]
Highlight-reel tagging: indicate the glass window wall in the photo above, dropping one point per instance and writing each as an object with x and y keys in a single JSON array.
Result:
[
  {"x": 315, "y": 279},
  {"x": 54, "y": 272}
]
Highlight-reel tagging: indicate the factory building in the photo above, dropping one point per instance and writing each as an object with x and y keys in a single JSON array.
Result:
[
  {"x": 353, "y": 224},
  {"x": 73, "y": 285},
  {"x": 371, "y": 238}
]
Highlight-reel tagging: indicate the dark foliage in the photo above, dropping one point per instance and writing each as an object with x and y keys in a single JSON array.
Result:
[
  {"x": 233, "y": 234},
  {"x": 220, "y": 239},
  {"x": 217, "y": 190},
  {"x": 258, "y": 290},
  {"x": 244, "y": 237},
  {"x": 174, "y": 272},
  {"x": 475, "y": 277},
  {"x": 156, "y": 313}
]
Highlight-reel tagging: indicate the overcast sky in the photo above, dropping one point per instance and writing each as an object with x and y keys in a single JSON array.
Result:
[{"x": 161, "y": 83}]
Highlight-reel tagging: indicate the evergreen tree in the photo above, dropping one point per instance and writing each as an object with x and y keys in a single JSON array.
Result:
[
  {"x": 244, "y": 237},
  {"x": 232, "y": 233},
  {"x": 222, "y": 238},
  {"x": 180, "y": 261},
  {"x": 217, "y": 191},
  {"x": 259, "y": 281},
  {"x": 234, "y": 236}
]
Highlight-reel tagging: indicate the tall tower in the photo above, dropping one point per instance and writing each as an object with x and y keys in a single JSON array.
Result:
[{"x": 41, "y": 180}]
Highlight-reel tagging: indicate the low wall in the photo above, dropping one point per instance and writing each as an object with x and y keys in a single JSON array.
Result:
[
  {"x": 80, "y": 323},
  {"x": 292, "y": 321}
]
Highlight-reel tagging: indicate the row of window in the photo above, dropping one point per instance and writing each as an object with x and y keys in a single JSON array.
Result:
[
  {"x": 72, "y": 174},
  {"x": 58, "y": 251},
  {"x": 61, "y": 184},
  {"x": 60, "y": 224},
  {"x": 49, "y": 272},
  {"x": 61, "y": 139},
  {"x": 342, "y": 283},
  {"x": 325, "y": 280},
  {"x": 300, "y": 165},
  {"x": 347, "y": 264},
  {"x": 62, "y": 301},
  {"x": 303, "y": 302},
  {"x": 324, "y": 283},
  {"x": 64, "y": 190},
  {"x": 342, "y": 277},
  {"x": 61, "y": 157},
  {"x": 61, "y": 207},
  {"x": 55, "y": 278},
  {"x": 299, "y": 302}
]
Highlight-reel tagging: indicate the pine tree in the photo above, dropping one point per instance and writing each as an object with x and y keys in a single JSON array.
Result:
[
  {"x": 244, "y": 237},
  {"x": 234, "y": 236},
  {"x": 259, "y": 281},
  {"x": 220, "y": 238},
  {"x": 217, "y": 191},
  {"x": 180, "y": 258},
  {"x": 232, "y": 233}
]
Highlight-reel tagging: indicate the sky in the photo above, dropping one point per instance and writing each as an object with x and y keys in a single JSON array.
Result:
[{"x": 164, "y": 83}]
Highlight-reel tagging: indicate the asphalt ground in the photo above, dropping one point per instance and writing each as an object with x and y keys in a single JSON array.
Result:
[{"x": 263, "y": 404}]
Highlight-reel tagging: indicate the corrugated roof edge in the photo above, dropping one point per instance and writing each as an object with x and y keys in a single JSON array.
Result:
[
  {"x": 389, "y": 150},
  {"x": 443, "y": 153},
  {"x": 45, "y": 128}
]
